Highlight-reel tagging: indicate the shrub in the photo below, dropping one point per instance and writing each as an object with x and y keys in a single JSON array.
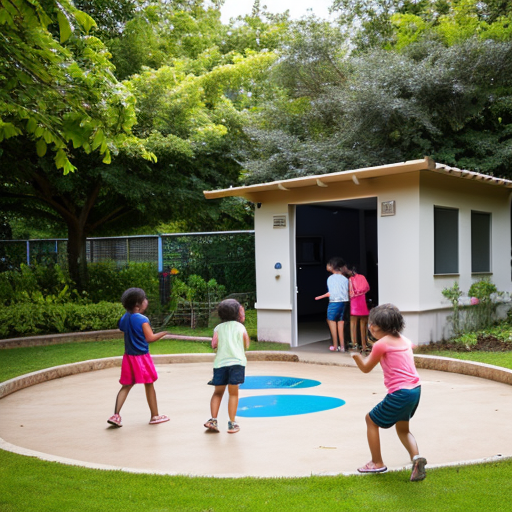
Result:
[
  {"x": 25, "y": 319},
  {"x": 107, "y": 281},
  {"x": 465, "y": 317}
]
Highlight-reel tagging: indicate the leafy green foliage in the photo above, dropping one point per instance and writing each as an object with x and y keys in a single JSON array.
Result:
[
  {"x": 59, "y": 91},
  {"x": 449, "y": 102},
  {"x": 27, "y": 319}
]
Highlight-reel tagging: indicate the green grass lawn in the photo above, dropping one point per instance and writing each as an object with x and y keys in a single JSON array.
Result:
[{"x": 29, "y": 484}]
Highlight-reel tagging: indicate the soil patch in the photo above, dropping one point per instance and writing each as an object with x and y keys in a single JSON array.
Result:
[{"x": 485, "y": 343}]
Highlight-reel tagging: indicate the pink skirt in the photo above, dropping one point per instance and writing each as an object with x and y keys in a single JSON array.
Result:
[
  {"x": 358, "y": 306},
  {"x": 137, "y": 370}
]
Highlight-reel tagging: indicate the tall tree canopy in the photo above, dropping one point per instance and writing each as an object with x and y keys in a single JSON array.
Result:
[
  {"x": 56, "y": 83},
  {"x": 435, "y": 89},
  {"x": 190, "y": 115}
]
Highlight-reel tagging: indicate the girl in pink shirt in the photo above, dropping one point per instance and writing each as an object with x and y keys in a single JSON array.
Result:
[{"x": 394, "y": 352}]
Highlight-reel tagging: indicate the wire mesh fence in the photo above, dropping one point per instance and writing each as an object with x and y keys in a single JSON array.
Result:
[{"x": 226, "y": 256}]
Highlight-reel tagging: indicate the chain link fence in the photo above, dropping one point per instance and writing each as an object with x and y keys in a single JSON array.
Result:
[{"x": 226, "y": 256}]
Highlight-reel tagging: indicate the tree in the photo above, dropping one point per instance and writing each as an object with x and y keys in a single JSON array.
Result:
[
  {"x": 59, "y": 92},
  {"x": 186, "y": 121},
  {"x": 448, "y": 102}
]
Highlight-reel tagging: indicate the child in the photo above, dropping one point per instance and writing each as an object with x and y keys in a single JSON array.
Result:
[
  {"x": 357, "y": 288},
  {"x": 337, "y": 284},
  {"x": 229, "y": 338},
  {"x": 394, "y": 352},
  {"x": 137, "y": 366}
]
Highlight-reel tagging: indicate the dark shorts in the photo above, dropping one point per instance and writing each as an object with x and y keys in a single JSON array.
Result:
[
  {"x": 398, "y": 406},
  {"x": 335, "y": 311},
  {"x": 228, "y": 375}
]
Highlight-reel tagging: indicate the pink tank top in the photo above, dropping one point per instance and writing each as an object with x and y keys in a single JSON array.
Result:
[{"x": 397, "y": 361}]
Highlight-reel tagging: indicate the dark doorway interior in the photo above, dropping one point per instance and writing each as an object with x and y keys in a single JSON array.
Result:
[{"x": 323, "y": 230}]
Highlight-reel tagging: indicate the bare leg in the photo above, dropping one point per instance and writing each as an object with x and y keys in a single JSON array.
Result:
[
  {"x": 216, "y": 400},
  {"x": 334, "y": 332},
  {"x": 121, "y": 397},
  {"x": 341, "y": 335},
  {"x": 233, "y": 401},
  {"x": 363, "y": 323},
  {"x": 372, "y": 433},
  {"x": 353, "y": 329},
  {"x": 407, "y": 439},
  {"x": 151, "y": 398}
]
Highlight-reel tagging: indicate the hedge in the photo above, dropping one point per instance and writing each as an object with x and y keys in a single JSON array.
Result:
[{"x": 26, "y": 319}]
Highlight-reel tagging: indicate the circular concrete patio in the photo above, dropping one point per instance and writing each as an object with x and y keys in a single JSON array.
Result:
[{"x": 460, "y": 419}]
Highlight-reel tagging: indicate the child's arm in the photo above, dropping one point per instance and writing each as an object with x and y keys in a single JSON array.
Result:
[
  {"x": 150, "y": 335},
  {"x": 247, "y": 340},
  {"x": 324, "y": 296},
  {"x": 367, "y": 364},
  {"x": 215, "y": 341}
]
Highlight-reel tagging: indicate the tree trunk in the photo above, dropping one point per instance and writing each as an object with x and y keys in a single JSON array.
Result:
[{"x": 77, "y": 260}]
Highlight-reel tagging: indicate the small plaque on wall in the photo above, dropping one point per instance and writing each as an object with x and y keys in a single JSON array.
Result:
[
  {"x": 387, "y": 208},
  {"x": 279, "y": 221}
]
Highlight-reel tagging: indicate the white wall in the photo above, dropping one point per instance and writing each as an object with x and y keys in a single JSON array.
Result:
[
  {"x": 274, "y": 288},
  {"x": 406, "y": 247}
]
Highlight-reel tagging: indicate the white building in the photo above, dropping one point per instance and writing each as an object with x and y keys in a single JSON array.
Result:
[{"x": 412, "y": 228}]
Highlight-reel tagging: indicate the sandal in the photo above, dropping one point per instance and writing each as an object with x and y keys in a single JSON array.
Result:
[
  {"x": 332, "y": 348},
  {"x": 233, "y": 427},
  {"x": 212, "y": 425},
  {"x": 372, "y": 468},
  {"x": 158, "y": 419},
  {"x": 115, "y": 420}
]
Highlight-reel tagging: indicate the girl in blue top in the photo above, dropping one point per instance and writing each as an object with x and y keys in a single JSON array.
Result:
[
  {"x": 137, "y": 366},
  {"x": 337, "y": 286}
]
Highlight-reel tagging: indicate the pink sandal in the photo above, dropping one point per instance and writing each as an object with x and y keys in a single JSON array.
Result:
[
  {"x": 372, "y": 468},
  {"x": 158, "y": 419}
]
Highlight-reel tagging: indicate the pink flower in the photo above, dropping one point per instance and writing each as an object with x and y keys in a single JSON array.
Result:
[{"x": 474, "y": 301}]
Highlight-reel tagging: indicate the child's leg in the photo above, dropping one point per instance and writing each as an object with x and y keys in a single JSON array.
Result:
[
  {"x": 407, "y": 439},
  {"x": 216, "y": 400},
  {"x": 121, "y": 397},
  {"x": 364, "y": 329},
  {"x": 341, "y": 335},
  {"x": 372, "y": 433},
  {"x": 151, "y": 398},
  {"x": 233, "y": 401},
  {"x": 353, "y": 329},
  {"x": 334, "y": 332}
]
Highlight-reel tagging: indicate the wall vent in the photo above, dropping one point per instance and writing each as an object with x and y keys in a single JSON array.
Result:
[{"x": 279, "y": 221}]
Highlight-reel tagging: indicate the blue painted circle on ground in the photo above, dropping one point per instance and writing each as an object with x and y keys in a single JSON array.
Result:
[
  {"x": 272, "y": 382},
  {"x": 266, "y": 406}
]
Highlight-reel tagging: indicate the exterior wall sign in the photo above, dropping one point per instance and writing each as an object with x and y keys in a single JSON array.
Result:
[{"x": 387, "y": 208}]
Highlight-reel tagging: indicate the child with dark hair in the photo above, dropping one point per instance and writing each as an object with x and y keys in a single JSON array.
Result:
[
  {"x": 230, "y": 339},
  {"x": 137, "y": 366},
  {"x": 394, "y": 352},
  {"x": 337, "y": 286}
]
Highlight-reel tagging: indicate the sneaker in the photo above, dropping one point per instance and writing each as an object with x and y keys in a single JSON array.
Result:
[
  {"x": 212, "y": 425},
  {"x": 233, "y": 427},
  {"x": 418, "y": 468},
  {"x": 115, "y": 420}
]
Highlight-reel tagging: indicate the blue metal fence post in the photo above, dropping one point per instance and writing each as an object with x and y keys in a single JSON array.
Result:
[
  {"x": 160, "y": 255},
  {"x": 28, "y": 252}
]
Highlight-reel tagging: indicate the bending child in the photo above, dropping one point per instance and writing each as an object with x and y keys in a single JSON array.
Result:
[
  {"x": 337, "y": 286},
  {"x": 137, "y": 366},
  {"x": 394, "y": 352},
  {"x": 231, "y": 340}
]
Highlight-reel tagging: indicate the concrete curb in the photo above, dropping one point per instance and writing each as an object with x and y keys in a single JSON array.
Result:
[
  {"x": 471, "y": 368},
  {"x": 57, "y": 339},
  {"x": 31, "y": 379}
]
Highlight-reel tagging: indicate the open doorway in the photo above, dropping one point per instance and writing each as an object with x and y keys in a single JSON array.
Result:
[{"x": 323, "y": 230}]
